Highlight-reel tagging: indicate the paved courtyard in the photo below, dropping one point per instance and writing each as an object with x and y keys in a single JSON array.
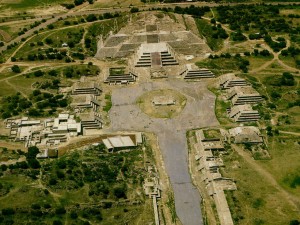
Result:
[{"x": 125, "y": 115}]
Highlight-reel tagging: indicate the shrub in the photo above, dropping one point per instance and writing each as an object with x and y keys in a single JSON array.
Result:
[
  {"x": 8, "y": 211},
  {"x": 134, "y": 10},
  {"x": 120, "y": 192},
  {"x": 16, "y": 69},
  {"x": 57, "y": 222},
  {"x": 73, "y": 215},
  {"x": 60, "y": 210}
]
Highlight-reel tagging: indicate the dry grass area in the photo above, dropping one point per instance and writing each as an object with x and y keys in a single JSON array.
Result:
[
  {"x": 145, "y": 102},
  {"x": 116, "y": 4},
  {"x": 255, "y": 194},
  {"x": 4, "y": 36}
]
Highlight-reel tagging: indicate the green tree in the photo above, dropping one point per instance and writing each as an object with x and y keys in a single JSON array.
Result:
[{"x": 16, "y": 69}]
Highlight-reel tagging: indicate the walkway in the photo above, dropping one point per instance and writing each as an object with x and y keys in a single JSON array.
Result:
[{"x": 198, "y": 112}]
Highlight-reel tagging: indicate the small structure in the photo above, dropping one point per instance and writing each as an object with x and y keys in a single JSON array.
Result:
[
  {"x": 90, "y": 120},
  {"x": 151, "y": 187},
  {"x": 64, "y": 45},
  {"x": 120, "y": 76},
  {"x": 25, "y": 130},
  {"x": 66, "y": 123},
  {"x": 85, "y": 101},
  {"x": 155, "y": 55},
  {"x": 47, "y": 153},
  {"x": 209, "y": 165},
  {"x": 122, "y": 142},
  {"x": 229, "y": 80},
  {"x": 244, "y": 95},
  {"x": 163, "y": 100},
  {"x": 192, "y": 73},
  {"x": 83, "y": 88},
  {"x": 243, "y": 113},
  {"x": 211, "y": 139},
  {"x": 248, "y": 134}
]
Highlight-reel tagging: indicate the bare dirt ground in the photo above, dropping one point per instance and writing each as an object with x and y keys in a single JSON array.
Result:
[{"x": 12, "y": 145}]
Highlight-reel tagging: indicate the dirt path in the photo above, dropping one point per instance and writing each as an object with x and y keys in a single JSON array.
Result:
[
  {"x": 5, "y": 35},
  {"x": 16, "y": 89},
  {"x": 264, "y": 173},
  {"x": 54, "y": 195},
  {"x": 275, "y": 59},
  {"x": 288, "y": 132}
]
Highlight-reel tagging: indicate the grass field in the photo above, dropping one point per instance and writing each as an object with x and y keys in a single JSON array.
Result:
[{"x": 256, "y": 201}]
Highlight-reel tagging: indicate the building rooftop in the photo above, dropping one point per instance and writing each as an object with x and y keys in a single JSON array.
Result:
[
  {"x": 123, "y": 141},
  {"x": 153, "y": 47},
  {"x": 248, "y": 134},
  {"x": 163, "y": 100},
  {"x": 86, "y": 84},
  {"x": 81, "y": 99},
  {"x": 243, "y": 90}
]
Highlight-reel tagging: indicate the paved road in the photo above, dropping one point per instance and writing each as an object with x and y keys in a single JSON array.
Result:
[{"x": 199, "y": 112}]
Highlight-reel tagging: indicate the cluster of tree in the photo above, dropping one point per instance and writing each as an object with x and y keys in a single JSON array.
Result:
[
  {"x": 293, "y": 52},
  {"x": 35, "y": 24},
  {"x": 242, "y": 17},
  {"x": 294, "y": 222},
  {"x": 76, "y": 3},
  {"x": 31, "y": 157},
  {"x": 16, "y": 69},
  {"x": 47, "y": 100},
  {"x": 5, "y": 186},
  {"x": 78, "y": 55},
  {"x": 238, "y": 36},
  {"x": 255, "y": 36},
  {"x": 192, "y": 10},
  {"x": 134, "y": 10},
  {"x": 294, "y": 16},
  {"x": 277, "y": 45},
  {"x": 295, "y": 103},
  {"x": 219, "y": 32},
  {"x": 239, "y": 61},
  {"x": 50, "y": 53},
  {"x": 14, "y": 105},
  {"x": 77, "y": 72},
  {"x": 287, "y": 79},
  {"x": 53, "y": 84},
  {"x": 264, "y": 52},
  {"x": 34, "y": 106},
  {"x": 12, "y": 45}
]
